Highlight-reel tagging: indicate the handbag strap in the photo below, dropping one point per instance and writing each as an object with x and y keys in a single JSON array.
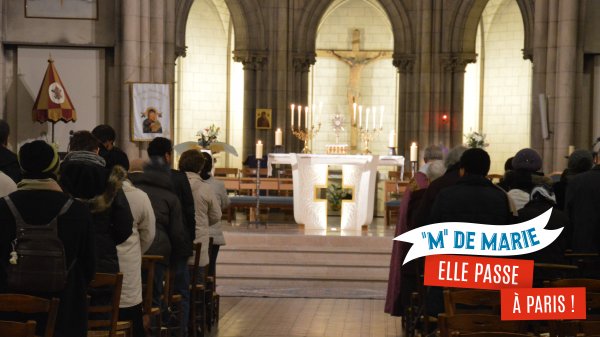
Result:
[{"x": 22, "y": 224}]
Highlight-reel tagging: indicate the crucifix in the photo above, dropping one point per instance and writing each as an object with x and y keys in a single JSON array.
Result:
[{"x": 357, "y": 59}]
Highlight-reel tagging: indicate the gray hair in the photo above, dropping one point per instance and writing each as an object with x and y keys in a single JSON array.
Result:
[
  {"x": 454, "y": 155},
  {"x": 435, "y": 169},
  {"x": 433, "y": 152}
]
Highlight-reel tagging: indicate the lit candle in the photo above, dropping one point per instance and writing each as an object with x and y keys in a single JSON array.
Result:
[
  {"x": 278, "y": 137},
  {"x": 293, "y": 106},
  {"x": 381, "y": 118},
  {"x": 392, "y": 139},
  {"x": 367, "y": 119},
  {"x": 414, "y": 156},
  {"x": 306, "y": 112},
  {"x": 354, "y": 108},
  {"x": 299, "y": 116},
  {"x": 360, "y": 116},
  {"x": 259, "y": 150},
  {"x": 571, "y": 149},
  {"x": 374, "y": 115}
]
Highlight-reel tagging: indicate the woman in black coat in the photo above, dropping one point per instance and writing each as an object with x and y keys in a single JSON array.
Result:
[
  {"x": 83, "y": 175},
  {"x": 38, "y": 200}
]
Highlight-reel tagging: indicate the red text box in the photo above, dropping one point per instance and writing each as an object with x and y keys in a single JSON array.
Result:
[
  {"x": 542, "y": 303},
  {"x": 477, "y": 272}
]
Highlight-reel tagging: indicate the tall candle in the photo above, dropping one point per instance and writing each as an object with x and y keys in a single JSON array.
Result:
[
  {"x": 360, "y": 116},
  {"x": 414, "y": 156},
  {"x": 299, "y": 116},
  {"x": 278, "y": 137},
  {"x": 381, "y": 118},
  {"x": 367, "y": 119},
  {"x": 306, "y": 112},
  {"x": 259, "y": 150},
  {"x": 392, "y": 139},
  {"x": 571, "y": 149},
  {"x": 293, "y": 106},
  {"x": 374, "y": 114},
  {"x": 354, "y": 109}
]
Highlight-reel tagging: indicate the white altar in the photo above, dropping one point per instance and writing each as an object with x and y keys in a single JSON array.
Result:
[{"x": 310, "y": 172}]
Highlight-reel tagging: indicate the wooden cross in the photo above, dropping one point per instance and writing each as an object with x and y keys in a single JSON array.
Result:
[{"x": 357, "y": 59}]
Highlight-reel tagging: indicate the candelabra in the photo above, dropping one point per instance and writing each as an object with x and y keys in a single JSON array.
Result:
[
  {"x": 367, "y": 136},
  {"x": 306, "y": 134}
]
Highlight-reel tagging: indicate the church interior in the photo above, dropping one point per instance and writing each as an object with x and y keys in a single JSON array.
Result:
[{"x": 320, "y": 115}]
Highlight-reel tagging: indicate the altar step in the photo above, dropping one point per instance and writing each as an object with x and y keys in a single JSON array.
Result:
[{"x": 300, "y": 265}]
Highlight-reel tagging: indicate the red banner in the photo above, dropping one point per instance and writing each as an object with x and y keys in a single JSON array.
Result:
[
  {"x": 543, "y": 303},
  {"x": 477, "y": 272}
]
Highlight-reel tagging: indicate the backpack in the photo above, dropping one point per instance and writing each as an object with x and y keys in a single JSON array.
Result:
[{"x": 38, "y": 262}]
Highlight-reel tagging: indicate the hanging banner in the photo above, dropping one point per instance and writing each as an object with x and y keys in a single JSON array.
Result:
[{"x": 150, "y": 111}]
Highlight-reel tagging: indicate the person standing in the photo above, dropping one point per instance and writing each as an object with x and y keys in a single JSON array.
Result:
[
  {"x": 8, "y": 160},
  {"x": 38, "y": 200}
]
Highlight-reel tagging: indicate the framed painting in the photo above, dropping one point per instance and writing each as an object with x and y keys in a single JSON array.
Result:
[
  {"x": 263, "y": 119},
  {"x": 62, "y": 9},
  {"x": 150, "y": 111}
]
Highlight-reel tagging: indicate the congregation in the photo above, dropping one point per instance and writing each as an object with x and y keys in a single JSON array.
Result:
[{"x": 108, "y": 213}]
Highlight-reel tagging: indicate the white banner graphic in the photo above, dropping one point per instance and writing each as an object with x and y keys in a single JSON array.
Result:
[{"x": 478, "y": 239}]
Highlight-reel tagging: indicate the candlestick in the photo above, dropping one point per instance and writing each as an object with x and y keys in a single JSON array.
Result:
[
  {"x": 299, "y": 116},
  {"x": 293, "y": 106},
  {"x": 414, "y": 156},
  {"x": 278, "y": 137},
  {"x": 392, "y": 138},
  {"x": 354, "y": 118},
  {"x": 367, "y": 119},
  {"x": 360, "y": 116},
  {"x": 306, "y": 111},
  {"x": 259, "y": 149}
]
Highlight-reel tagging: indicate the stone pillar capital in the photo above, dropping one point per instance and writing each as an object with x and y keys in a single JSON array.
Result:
[
  {"x": 250, "y": 59},
  {"x": 180, "y": 51},
  {"x": 457, "y": 62},
  {"x": 404, "y": 62},
  {"x": 302, "y": 62}
]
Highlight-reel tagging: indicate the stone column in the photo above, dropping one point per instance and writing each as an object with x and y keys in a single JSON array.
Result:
[
  {"x": 540, "y": 61},
  {"x": 252, "y": 61},
  {"x": 568, "y": 13},
  {"x": 301, "y": 65},
  {"x": 130, "y": 69},
  {"x": 405, "y": 132}
]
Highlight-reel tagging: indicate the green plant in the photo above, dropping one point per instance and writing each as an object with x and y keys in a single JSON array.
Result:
[{"x": 335, "y": 195}]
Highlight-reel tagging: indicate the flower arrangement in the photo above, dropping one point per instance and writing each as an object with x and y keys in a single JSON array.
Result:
[
  {"x": 208, "y": 135},
  {"x": 476, "y": 140},
  {"x": 335, "y": 195}
]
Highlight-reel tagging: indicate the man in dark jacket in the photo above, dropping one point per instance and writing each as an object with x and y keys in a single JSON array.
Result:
[
  {"x": 581, "y": 204},
  {"x": 38, "y": 200},
  {"x": 83, "y": 175},
  {"x": 473, "y": 198},
  {"x": 162, "y": 148},
  {"x": 8, "y": 160},
  {"x": 171, "y": 240}
]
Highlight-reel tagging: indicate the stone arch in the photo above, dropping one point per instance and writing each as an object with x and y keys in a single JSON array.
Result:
[
  {"x": 396, "y": 12},
  {"x": 241, "y": 24},
  {"x": 465, "y": 18}
]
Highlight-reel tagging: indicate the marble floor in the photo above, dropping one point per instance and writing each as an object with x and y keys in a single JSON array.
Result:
[{"x": 295, "y": 317}]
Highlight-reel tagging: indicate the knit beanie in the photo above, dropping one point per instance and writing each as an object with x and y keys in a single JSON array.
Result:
[
  {"x": 528, "y": 160},
  {"x": 38, "y": 160},
  {"x": 580, "y": 161}
]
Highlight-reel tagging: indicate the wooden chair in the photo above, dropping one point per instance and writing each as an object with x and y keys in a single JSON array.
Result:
[
  {"x": 109, "y": 313},
  {"x": 173, "y": 303},
  {"x": 212, "y": 298},
  {"x": 463, "y": 301},
  {"x": 150, "y": 311},
  {"x": 251, "y": 172},
  {"x": 27, "y": 304},
  {"x": 393, "y": 192},
  {"x": 17, "y": 329},
  {"x": 591, "y": 285},
  {"x": 226, "y": 172},
  {"x": 197, "y": 298},
  {"x": 463, "y": 323},
  {"x": 491, "y": 334}
]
